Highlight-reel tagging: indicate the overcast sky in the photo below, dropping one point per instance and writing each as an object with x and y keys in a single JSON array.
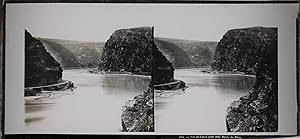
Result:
[{"x": 96, "y": 22}]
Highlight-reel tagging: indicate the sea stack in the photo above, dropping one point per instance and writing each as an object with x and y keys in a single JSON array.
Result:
[
  {"x": 252, "y": 50},
  {"x": 40, "y": 67}
]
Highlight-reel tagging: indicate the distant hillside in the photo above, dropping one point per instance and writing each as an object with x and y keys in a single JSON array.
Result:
[
  {"x": 200, "y": 52},
  {"x": 87, "y": 54},
  {"x": 61, "y": 54},
  {"x": 174, "y": 54}
]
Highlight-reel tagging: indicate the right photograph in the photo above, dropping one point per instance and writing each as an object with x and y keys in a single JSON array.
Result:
[{"x": 227, "y": 85}]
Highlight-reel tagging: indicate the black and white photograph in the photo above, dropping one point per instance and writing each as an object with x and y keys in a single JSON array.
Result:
[{"x": 103, "y": 68}]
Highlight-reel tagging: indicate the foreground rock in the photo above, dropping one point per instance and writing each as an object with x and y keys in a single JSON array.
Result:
[
  {"x": 242, "y": 49},
  {"x": 252, "y": 48},
  {"x": 40, "y": 67},
  {"x": 138, "y": 113},
  {"x": 133, "y": 50}
]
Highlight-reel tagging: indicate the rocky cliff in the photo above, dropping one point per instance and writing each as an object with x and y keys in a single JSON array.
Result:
[
  {"x": 133, "y": 50},
  {"x": 255, "y": 49},
  {"x": 40, "y": 67},
  {"x": 242, "y": 49}
]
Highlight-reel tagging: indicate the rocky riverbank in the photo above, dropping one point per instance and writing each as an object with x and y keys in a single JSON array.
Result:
[
  {"x": 62, "y": 86},
  {"x": 138, "y": 113}
]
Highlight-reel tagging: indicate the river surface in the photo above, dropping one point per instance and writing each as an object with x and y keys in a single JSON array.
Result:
[
  {"x": 202, "y": 106},
  {"x": 95, "y": 105}
]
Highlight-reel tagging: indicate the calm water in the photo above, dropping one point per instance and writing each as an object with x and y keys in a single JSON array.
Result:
[
  {"x": 202, "y": 107},
  {"x": 94, "y": 107}
]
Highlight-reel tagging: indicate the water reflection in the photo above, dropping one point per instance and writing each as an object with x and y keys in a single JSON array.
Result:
[
  {"x": 94, "y": 107},
  {"x": 235, "y": 82},
  {"x": 125, "y": 82},
  {"x": 34, "y": 119},
  {"x": 30, "y": 108},
  {"x": 202, "y": 108}
]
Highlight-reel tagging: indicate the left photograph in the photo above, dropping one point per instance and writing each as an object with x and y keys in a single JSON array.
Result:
[{"x": 89, "y": 86}]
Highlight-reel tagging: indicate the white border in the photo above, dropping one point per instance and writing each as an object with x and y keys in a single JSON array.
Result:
[{"x": 14, "y": 53}]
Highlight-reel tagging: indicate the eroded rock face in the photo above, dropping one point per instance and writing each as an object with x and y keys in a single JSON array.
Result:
[
  {"x": 242, "y": 49},
  {"x": 257, "y": 111},
  {"x": 133, "y": 50},
  {"x": 40, "y": 67},
  {"x": 138, "y": 113}
]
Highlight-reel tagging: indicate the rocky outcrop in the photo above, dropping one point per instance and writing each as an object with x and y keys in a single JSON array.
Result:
[
  {"x": 257, "y": 111},
  {"x": 242, "y": 49},
  {"x": 138, "y": 113},
  {"x": 40, "y": 67},
  {"x": 133, "y": 50},
  {"x": 174, "y": 54}
]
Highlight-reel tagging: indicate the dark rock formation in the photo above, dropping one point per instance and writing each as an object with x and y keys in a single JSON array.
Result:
[
  {"x": 174, "y": 54},
  {"x": 257, "y": 111},
  {"x": 40, "y": 67},
  {"x": 61, "y": 54},
  {"x": 242, "y": 49},
  {"x": 138, "y": 113},
  {"x": 133, "y": 50}
]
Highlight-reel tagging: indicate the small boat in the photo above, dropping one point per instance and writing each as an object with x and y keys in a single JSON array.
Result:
[{"x": 175, "y": 85}]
